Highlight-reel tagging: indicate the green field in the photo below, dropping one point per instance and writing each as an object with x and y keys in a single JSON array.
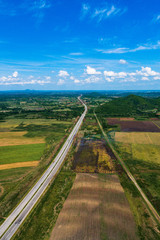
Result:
[
  {"x": 143, "y": 153},
  {"x": 21, "y": 153},
  {"x": 144, "y": 162}
]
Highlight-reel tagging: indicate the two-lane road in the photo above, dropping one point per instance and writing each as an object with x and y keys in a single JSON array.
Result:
[{"x": 15, "y": 219}]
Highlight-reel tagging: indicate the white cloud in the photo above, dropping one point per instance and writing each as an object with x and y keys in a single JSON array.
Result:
[
  {"x": 47, "y": 77},
  {"x": 60, "y": 82},
  {"x": 147, "y": 71},
  {"x": 145, "y": 74},
  {"x": 115, "y": 50},
  {"x": 157, "y": 78},
  {"x": 109, "y": 79},
  {"x": 145, "y": 78},
  {"x": 30, "y": 77},
  {"x": 122, "y": 61},
  {"x": 92, "y": 71},
  {"x": 126, "y": 50},
  {"x": 128, "y": 80},
  {"x": 15, "y": 74},
  {"x": 104, "y": 13},
  {"x": 112, "y": 11},
  {"x": 109, "y": 74},
  {"x": 92, "y": 79},
  {"x": 76, "y": 54},
  {"x": 71, "y": 77},
  {"x": 15, "y": 80},
  {"x": 100, "y": 13},
  {"x": 3, "y": 79},
  {"x": 76, "y": 81},
  {"x": 22, "y": 82},
  {"x": 156, "y": 19},
  {"x": 114, "y": 74},
  {"x": 85, "y": 10},
  {"x": 63, "y": 74}
]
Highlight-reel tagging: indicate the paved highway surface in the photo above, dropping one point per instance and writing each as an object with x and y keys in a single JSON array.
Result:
[
  {"x": 149, "y": 205},
  {"x": 15, "y": 219}
]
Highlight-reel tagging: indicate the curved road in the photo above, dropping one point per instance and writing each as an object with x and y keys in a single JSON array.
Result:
[{"x": 16, "y": 218}]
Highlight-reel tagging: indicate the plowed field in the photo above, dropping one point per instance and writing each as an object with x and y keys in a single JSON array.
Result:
[
  {"x": 134, "y": 126},
  {"x": 95, "y": 209}
]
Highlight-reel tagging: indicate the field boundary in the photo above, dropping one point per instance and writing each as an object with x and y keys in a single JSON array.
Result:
[
  {"x": 156, "y": 124},
  {"x": 146, "y": 200}
]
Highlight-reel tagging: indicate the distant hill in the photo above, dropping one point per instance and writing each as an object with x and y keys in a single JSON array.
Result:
[{"x": 129, "y": 106}]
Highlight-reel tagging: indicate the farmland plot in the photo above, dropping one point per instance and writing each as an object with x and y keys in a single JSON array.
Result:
[
  {"x": 18, "y": 138},
  {"x": 134, "y": 126},
  {"x": 96, "y": 208},
  {"x": 144, "y": 162},
  {"x": 138, "y": 137},
  {"x": 92, "y": 156}
]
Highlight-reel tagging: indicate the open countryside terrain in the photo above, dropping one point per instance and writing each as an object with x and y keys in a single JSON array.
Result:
[
  {"x": 133, "y": 131},
  {"x": 110, "y": 212},
  {"x": 96, "y": 208},
  {"x": 30, "y": 136},
  {"x": 137, "y": 142}
]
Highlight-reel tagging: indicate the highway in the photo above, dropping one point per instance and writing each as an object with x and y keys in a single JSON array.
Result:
[
  {"x": 19, "y": 214},
  {"x": 144, "y": 197}
]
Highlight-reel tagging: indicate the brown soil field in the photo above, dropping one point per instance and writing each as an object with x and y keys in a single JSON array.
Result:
[
  {"x": 92, "y": 157},
  {"x": 19, "y": 165},
  {"x": 138, "y": 137},
  {"x": 17, "y": 138},
  {"x": 134, "y": 126},
  {"x": 96, "y": 209},
  {"x": 126, "y": 119}
]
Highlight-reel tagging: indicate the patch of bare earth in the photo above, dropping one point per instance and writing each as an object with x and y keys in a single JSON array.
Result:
[
  {"x": 95, "y": 209},
  {"x": 19, "y": 165},
  {"x": 93, "y": 157}
]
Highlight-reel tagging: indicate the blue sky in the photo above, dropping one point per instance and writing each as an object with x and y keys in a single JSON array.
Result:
[{"x": 88, "y": 45}]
